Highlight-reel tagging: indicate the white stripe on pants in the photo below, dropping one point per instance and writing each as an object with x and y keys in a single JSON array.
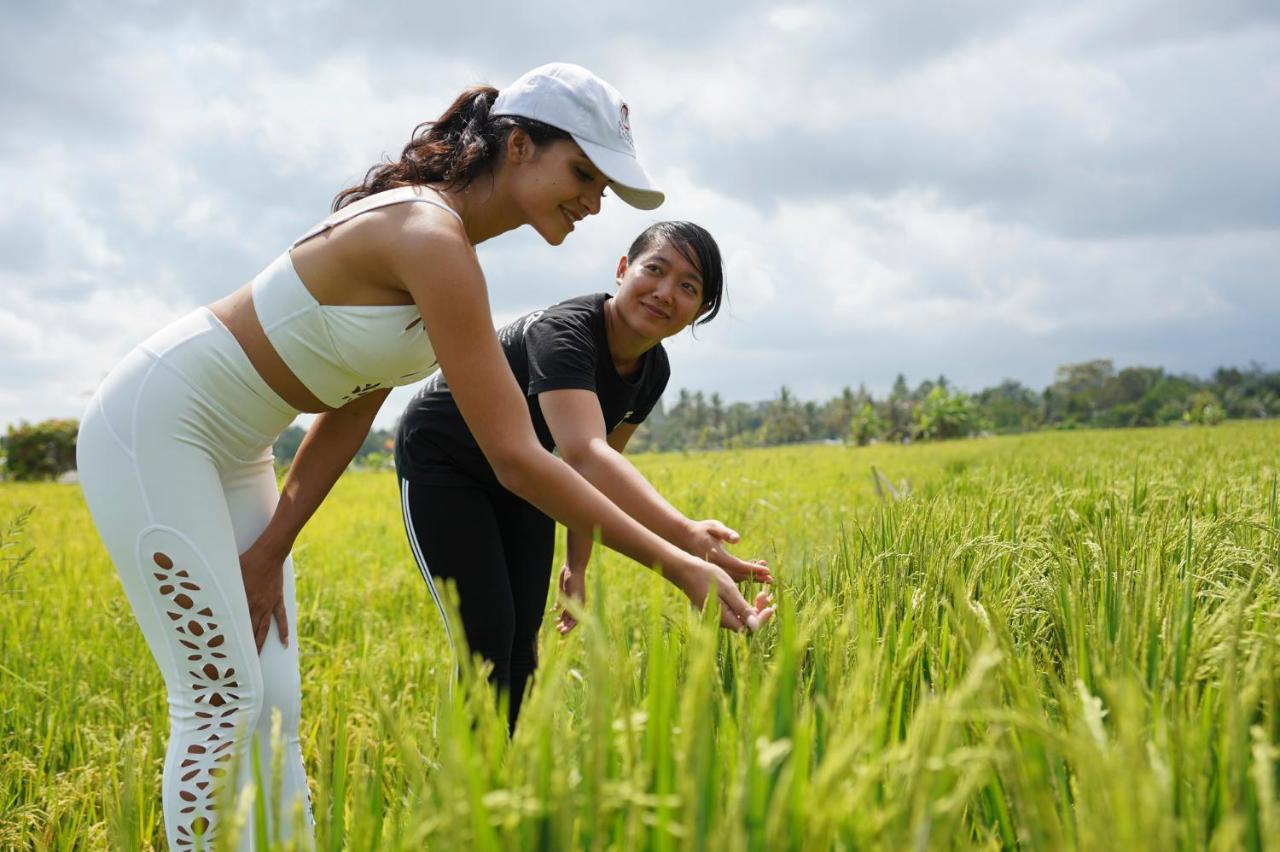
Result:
[{"x": 407, "y": 515}]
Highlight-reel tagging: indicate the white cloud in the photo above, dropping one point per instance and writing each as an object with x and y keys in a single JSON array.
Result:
[{"x": 985, "y": 189}]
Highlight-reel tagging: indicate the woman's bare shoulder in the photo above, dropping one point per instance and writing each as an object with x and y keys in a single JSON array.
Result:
[{"x": 427, "y": 246}]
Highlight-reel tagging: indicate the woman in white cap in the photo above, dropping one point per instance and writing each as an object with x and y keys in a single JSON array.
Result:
[{"x": 174, "y": 449}]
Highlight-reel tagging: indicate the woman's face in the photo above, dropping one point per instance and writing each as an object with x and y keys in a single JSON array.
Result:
[
  {"x": 556, "y": 186},
  {"x": 659, "y": 293}
]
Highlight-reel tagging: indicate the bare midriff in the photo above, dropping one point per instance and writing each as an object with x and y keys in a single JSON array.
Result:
[
  {"x": 236, "y": 312},
  {"x": 337, "y": 267}
]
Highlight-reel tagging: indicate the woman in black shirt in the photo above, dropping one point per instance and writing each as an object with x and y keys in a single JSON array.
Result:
[{"x": 592, "y": 368}]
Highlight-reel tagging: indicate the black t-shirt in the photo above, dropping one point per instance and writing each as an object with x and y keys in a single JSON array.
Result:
[{"x": 563, "y": 347}]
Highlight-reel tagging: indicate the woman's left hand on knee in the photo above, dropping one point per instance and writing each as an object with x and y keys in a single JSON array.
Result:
[{"x": 263, "y": 575}]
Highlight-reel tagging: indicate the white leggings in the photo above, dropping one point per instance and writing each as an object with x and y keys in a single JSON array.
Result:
[{"x": 174, "y": 455}]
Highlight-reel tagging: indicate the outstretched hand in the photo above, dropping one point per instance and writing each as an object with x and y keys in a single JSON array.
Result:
[
  {"x": 735, "y": 613},
  {"x": 263, "y": 575},
  {"x": 707, "y": 540}
]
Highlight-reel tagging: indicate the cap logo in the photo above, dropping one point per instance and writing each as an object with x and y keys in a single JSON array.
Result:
[{"x": 624, "y": 125}]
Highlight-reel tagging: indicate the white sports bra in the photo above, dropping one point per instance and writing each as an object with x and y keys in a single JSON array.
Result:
[{"x": 341, "y": 352}]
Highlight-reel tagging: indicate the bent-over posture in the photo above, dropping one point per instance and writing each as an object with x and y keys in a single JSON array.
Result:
[
  {"x": 175, "y": 446},
  {"x": 592, "y": 368}
]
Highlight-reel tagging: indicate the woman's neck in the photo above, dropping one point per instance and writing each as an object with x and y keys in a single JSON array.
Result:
[
  {"x": 625, "y": 346},
  {"x": 484, "y": 207}
]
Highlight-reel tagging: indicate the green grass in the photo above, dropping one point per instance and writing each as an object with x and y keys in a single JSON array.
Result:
[{"x": 1052, "y": 641}]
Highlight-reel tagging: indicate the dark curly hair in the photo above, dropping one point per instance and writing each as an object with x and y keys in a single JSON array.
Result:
[{"x": 455, "y": 149}]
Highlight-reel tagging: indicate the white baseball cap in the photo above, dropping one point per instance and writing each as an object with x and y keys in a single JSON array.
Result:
[{"x": 578, "y": 102}]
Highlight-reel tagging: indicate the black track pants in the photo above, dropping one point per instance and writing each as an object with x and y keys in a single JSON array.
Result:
[{"x": 497, "y": 548}]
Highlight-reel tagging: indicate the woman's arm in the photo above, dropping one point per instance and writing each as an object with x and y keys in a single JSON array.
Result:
[
  {"x": 441, "y": 272},
  {"x": 578, "y": 427},
  {"x": 577, "y": 548},
  {"x": 326, "y": 450},
  {"x": 577, "y": 551}
]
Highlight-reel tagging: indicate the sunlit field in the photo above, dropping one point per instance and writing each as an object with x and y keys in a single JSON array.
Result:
[{"x": 1062, "y": 640}]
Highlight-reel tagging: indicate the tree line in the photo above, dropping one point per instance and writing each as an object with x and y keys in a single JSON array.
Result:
[{"x": 1089, "y": 394}]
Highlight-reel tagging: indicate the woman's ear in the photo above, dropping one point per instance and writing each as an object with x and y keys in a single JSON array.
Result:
[
  {"x": 520, "y": 147},
  {"x": 622, "y": 269}
]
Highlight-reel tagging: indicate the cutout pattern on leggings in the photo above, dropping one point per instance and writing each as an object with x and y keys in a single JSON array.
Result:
[{"x": 217, "y": 697}]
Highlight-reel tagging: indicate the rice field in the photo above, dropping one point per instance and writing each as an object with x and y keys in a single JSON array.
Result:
[{"x": 1053, "y": 641}]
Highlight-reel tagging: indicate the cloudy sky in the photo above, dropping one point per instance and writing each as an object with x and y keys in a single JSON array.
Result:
[{"x": 980, "y": 189}]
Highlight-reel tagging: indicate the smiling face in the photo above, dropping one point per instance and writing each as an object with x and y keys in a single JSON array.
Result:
[
  {"x": 659, "y": 292},
  {"x": 554, "y": 186}
]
